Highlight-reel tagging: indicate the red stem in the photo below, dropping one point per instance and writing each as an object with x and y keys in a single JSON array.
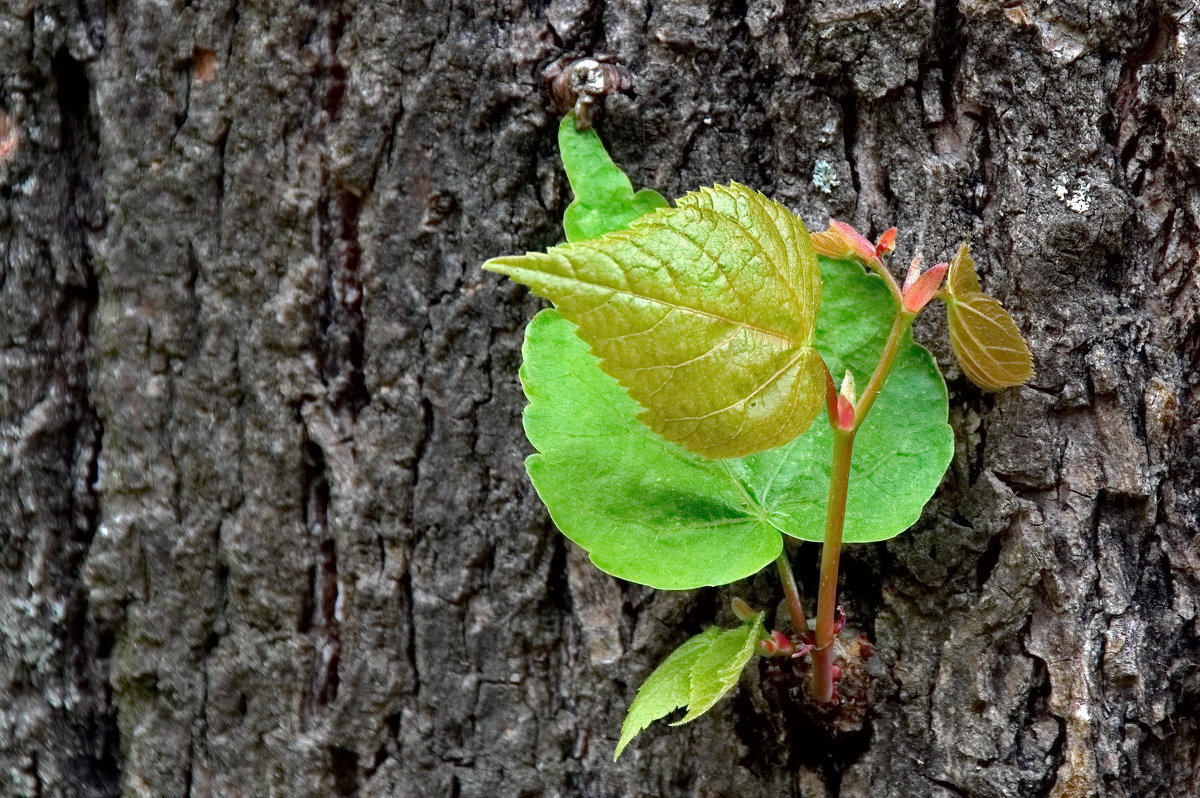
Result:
[{"x": 835, "y": 518}]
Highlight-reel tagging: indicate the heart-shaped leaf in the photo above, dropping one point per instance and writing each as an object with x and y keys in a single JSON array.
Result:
[
  {"x": 646, "y": 509},
  {"x": 705, "y": 312},
  {"x": 651, "y": 512},
  {"x": 986, "y": 341}
]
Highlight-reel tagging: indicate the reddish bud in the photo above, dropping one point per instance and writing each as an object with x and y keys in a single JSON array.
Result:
[
  {"x": 845, "y": 414},
  {"x": 848, "y": 389},
  {"x": 886, "y": 243},
  {"x": 837, "y": 672},
  {"x": 843, "y": 242},
  {"x": 777, "y": 645},
  {"x": 839, "y": 619},
  {"x": 918, "y": 294},
  {"x": 845, "y": 403}
]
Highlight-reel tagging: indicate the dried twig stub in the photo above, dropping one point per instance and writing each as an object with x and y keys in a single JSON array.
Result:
[{"x": 579, "y": 83}]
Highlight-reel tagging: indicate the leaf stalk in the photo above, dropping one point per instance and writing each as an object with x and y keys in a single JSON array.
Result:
[
  {"x": 879, "y": 268},
  {"x": 883, "y": 368},
  {"x": 792, "y": 592}
]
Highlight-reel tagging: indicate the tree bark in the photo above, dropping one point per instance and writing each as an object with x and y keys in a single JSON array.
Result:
[{"x": 264, "y": 525}]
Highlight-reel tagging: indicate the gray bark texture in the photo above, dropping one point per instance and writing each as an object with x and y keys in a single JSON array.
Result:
[{"x": 264, "y": 524}]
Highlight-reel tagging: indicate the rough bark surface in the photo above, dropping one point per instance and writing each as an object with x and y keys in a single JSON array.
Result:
[{"x": 264, "y": 526}]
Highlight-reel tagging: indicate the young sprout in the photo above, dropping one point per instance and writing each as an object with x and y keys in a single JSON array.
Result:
[{"x": 673, "y": 393}]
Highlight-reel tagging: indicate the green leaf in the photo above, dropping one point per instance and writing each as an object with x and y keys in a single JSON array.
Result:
[
  {"x": 666, "y": 689},
  {"x": 604, "y": 197},
  {"x": 901, "y": 451},
  {"x": 696, "y": 675},
  {"x": 646, "y": 509},
  {"x": 717, "y": 669},
  {"x": 705, "y": 312},
  {"x": 651, "y": 512}
]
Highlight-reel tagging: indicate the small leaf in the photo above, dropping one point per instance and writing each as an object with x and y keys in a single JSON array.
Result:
[
  {"x": 717, "y": 669},
  {"x": 742, "y": 609},
  {"x": 986, "y": 341},
  {"x": 886, "y": 244},
  {"x": 705, "y": 312},
  {"x": 604, "y": 197},
  {"x": 666, "y": 689}
]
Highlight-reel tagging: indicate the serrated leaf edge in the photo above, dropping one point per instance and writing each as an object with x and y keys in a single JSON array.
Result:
[{"x": 694, "y": 648}]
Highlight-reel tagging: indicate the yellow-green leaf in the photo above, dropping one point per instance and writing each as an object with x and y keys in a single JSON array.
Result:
[
  {"x": 987, "y": 343},
  {"x": 962, "y": 278},
  {"x": 985, "y": 339},
  {"x": 717, "y": 669},
  {"x": 667, "y": 689},
  {"x": 705, "y": 312}
]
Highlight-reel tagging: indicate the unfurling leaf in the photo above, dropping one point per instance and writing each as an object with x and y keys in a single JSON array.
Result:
[
  {"x": 705, "y": 312},
  {"x": 695, "y": 675},
  {"x": 914, "y": 271},
  {"x": 667, "y": 689},
  {"x": 742, "y": 610},
  {"x": 918, "y": 292},
  {"x": 604, "y": 197},
  {"x": 717, "y": 669},
  {"x": 985, "y": 339}
]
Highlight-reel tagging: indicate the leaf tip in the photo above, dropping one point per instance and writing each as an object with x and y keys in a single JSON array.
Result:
[
  {"x": 962, "y": 277},
  {"x": 886, "y": 244},
  {"x": 742, "y": 609}
]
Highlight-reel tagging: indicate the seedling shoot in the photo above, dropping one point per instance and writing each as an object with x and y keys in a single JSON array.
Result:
[{"x": 712, "y": 379}]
